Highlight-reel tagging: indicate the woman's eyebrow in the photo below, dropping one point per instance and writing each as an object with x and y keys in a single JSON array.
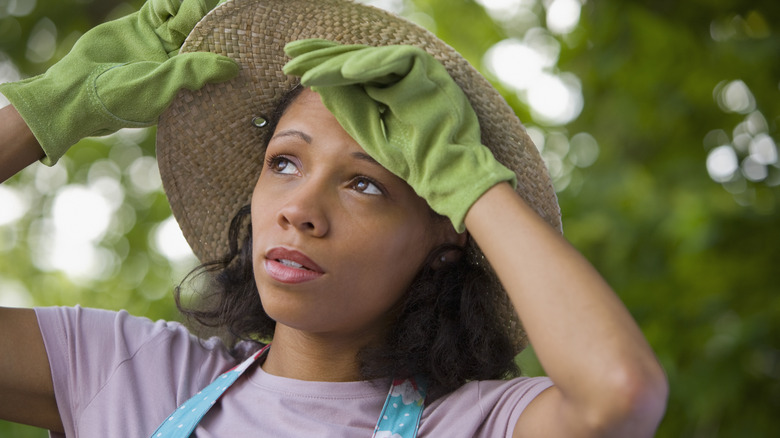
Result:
[
  {"x": 365, "y": 157},
  {"x": 362, "y": 156},
  {"x": 294, "y": 133}
]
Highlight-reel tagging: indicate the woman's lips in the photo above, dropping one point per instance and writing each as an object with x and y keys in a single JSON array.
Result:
[{"x": 289, "y": 266}]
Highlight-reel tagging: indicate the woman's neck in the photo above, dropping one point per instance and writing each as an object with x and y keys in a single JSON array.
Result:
[{"x": 304, "y": 356}]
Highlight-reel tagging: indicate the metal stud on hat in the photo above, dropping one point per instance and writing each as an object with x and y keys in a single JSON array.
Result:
[
  {"x": 260, "y": 122},
  {"x": 209, "y": 168}
]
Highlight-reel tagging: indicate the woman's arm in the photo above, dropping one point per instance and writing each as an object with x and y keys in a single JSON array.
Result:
[
  {"x": 607, "y": 379},
  {"x": 26, "y": 389},
  {"x": 57, "y": 108},
  {"x": 136, "y": 58},
  {"x": 18, "y": 146}
]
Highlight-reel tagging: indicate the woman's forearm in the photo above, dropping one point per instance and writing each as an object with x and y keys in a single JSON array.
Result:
[
  {"x": 18, "y": 146},
  {"x": 585, "y": 338}
]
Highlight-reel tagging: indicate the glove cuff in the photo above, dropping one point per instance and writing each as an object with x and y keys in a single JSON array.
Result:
[
  {"x": 59, "y": 114},
  {"x": 35, "y": 115},
  {"x": 453, "y": 189}
]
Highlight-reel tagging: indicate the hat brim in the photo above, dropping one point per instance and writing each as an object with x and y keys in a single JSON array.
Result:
[{"x": 210, "y": 153}]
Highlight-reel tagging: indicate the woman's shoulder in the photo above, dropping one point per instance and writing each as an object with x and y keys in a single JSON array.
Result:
[
  {"x": 487, "y": 392},
  {"x": 482, "y": 408},
  {"x": 82, "y": 331},
  {"x": 72, "y": 324},
  {"x": 99, "y": 357}
]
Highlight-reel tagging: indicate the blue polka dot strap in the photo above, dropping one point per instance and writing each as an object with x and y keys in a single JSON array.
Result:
[
  {"x": 186, "y": 417},
  {"x": 400, "y": 417}
]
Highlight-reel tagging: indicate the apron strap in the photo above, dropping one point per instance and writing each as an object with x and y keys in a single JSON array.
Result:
[
  {"x": 183, "y": 421},
  {"x": 400, "y": 416}
]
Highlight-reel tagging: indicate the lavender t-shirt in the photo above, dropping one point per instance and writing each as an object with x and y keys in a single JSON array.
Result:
[{"x": 119, "y": 375}]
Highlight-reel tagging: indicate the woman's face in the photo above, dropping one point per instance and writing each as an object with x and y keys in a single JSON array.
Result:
[{"x": 337, "y": 238}]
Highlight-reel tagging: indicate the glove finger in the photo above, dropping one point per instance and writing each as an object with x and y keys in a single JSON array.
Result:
[
  {"x": 343, "y": 65},
  {"x": 294, "y": 49},
  {"x": 196, "y": 69},
  {"x": 422, "y": 89},
  {"x": 172, "y": 20},
  {"x": 139, "y": 92},
  {"x": 189, "y": 14},
  {"x": 383, "y": 64},
  {"x": 362, "y": 118},
  {"x": 328, "y": 72},
  {"x": 403, "y": 75},
  {"x": 324, "y": 60}
]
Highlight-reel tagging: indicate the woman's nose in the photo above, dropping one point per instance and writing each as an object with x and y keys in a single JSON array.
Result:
[{"x": 305, "y": 209}]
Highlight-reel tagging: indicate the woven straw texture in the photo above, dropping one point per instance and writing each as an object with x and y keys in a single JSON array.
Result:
[{"x": 209, "y": 152}]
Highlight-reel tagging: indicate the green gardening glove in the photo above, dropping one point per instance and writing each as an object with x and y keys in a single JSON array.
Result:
[
  {"x": 405, "y": 110},
  {"x": 123, "y": 73}
]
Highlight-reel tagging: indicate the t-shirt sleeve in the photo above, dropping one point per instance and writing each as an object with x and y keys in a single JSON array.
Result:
[
  {"x": 119, "y": 375},
  {"x": 488, "y": 408}
]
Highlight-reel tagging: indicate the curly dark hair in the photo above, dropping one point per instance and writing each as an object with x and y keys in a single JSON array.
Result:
[{"x": 453, "y": 325}]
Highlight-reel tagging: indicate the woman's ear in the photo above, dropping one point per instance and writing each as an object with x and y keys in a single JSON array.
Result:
[{"x": 451, "y": 245}]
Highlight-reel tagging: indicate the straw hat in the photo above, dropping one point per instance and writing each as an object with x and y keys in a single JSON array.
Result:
[{"x": 210, "y": 150}]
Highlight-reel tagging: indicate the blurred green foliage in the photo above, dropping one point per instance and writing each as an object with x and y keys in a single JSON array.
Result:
[{"x": 694, "y": 259}]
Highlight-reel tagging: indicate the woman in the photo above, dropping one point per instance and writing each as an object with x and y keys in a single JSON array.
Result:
[{"x": 374, "y": 176}]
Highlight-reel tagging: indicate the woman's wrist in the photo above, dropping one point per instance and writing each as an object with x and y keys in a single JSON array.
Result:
[{"x": 18, "y": 146}]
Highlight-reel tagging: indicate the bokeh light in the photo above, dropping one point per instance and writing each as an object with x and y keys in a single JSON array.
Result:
[
  {"x": 753, "y": 25},
  {"x": 144, "y": 175},
  {"x": 504, "y": 9},
  {"x": 50, "y": 179},
  {"x": 563, "y": 155},
  {"x": 722, "y": 163},
  {"x": 516, "y": 64},
  {"x": 763, "y": 149},
  {"x": 555, "y": 99},
  {"x": 81, "y": 213},
  {"x": 8, "y": 73},
  {"x": 563, "y": 16},
  {"x": 753, "y": 170},
  {"x": 750, "y": 155},
  {"x": 735, "y": 97},
  {"x": 169, "y": 241},
  {"x": 394, "y": 6},
  {"x": 14, "y": 293},
  {"x": 68, "y": 238},
  {"x": 529, "y": 67},
  {"x": 17, "y": 8},
  {"x": 42, "y": 43},
  {"x": 14, "y": 205},
  {"x": 584, "y": 150}
]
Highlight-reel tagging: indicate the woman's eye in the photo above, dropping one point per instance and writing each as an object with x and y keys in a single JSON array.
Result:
[
  {"x": 366, "y": 186},
  {"x": 282, "y": 165}
]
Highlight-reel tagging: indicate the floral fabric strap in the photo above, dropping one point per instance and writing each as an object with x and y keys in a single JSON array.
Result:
[{"x": 400, "y": 416}]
